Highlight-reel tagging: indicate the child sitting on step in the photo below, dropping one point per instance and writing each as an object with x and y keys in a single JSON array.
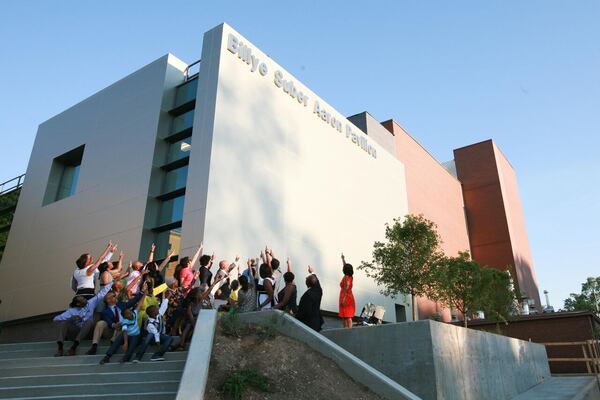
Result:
[
  {"x": 130, "y": 332},
  {"x": 155, "y": 332}
]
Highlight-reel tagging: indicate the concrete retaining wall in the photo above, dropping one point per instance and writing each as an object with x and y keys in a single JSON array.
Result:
[
  {"x": 195, "y": 374},
  {"x": 441, "y": 361},
  {"x": 356, "y": 368}
]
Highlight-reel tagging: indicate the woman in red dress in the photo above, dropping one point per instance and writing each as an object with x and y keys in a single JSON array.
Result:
[{"x": 347, "y": 306}]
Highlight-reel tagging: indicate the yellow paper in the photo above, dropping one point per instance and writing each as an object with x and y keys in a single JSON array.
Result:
[{"x": 159, "y": 289}]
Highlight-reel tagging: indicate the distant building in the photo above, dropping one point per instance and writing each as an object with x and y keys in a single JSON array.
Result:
[{"x": 242, "y": 154}]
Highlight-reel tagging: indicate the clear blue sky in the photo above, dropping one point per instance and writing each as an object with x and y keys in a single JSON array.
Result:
[{"x": 526, "y": 74}]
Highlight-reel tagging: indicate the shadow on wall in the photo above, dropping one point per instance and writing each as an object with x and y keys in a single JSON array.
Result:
[
  {"x": 524, "y": 273},
  {"x": 258, "y": 221}
]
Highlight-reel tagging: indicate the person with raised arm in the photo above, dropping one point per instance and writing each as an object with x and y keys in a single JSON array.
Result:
[
  {"x": 77, "y": 320},
  {"x": 347, "y": 305},
  {"x": 247, "y": 293},
  {"x": 266, "y": 289},
  {"x": 130, "y": 332},
  {"x": 186, "y": 273},
  {"x": 110, "y": 317},
  {"x": 288, "y": 295},
  {"x": 309, "y": 309},
  {"x": 194, "y": 302},
  {"x": 206, "y": 263},
  {"x": 155, "y": 328},
  {"x": 84, "y": 276},
  {"x": 277, "y": 274},
  {"x": 155, "y": 270},
  {"x": 222, "y": 290}
]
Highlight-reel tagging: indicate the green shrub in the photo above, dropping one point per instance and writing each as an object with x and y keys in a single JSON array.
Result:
[
  {"x": 232, "y": 326},
  {"x": 236, "y": 384},
  {"x": 269, "y": 330}
]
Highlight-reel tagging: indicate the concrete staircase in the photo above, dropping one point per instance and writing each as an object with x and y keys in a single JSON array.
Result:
[{"x": 30, "y": 371}]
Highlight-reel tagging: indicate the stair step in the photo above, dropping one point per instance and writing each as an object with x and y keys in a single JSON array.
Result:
[
  {"x": 162, "y": 395},
  {"x": 49, "y": 352},
  {"x": 45, "y": 345},
  {"x": 36, "y": 370},
  {"x": 75, "y": 360},
  {"x": 115, "y": 389},
  {"x": 97, "y": 377}
]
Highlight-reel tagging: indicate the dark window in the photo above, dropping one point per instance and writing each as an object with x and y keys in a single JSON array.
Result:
[
  {"x": 171, "y": 211},
  {"x": 64, "y": 174},
  {"x": 183, "y": 121},
  {"x": 186, "y": 92},
  {"x": 400, "y": 313}
]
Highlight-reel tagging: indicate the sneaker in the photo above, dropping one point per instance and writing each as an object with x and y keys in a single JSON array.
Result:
[
  {"x": 136, "y": 360},
  {"x": 73, "y": 351},
  {"x": 59, "y": 353},
  {"x": 92, "y": 351},
  {"x": 104, "y": 360},
  {"x": 157, "y": 358}
]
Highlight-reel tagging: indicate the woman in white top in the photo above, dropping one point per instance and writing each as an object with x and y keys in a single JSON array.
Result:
[{"x": 83, "y": 276}]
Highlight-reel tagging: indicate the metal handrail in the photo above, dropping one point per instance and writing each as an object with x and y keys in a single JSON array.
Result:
[
  {"x": 186, "y": 72},
  {"x": 16, "y": 183}
]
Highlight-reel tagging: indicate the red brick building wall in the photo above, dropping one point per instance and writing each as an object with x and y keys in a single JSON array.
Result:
[{"x": 497, "y": 231}]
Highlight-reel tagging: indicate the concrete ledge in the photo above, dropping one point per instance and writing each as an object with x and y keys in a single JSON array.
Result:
[
  {"x": 195, "y": 373},
  {"x": 356, "y": 368},
  {"x": 439, "y": 361}
]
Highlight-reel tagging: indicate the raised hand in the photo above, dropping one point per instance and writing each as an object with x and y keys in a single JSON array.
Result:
[
  {"x": 121, "y": 255},
  {"x": 237, "y": 258},
  {"x": 311, "y": 270},
  {"x": 152, "y": 247}
]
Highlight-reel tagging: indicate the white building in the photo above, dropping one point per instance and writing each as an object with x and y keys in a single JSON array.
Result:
[{"x": 240, "y": 155}]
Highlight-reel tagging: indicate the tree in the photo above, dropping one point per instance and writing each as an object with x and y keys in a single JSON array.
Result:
[
  {"x": 404, "y": 262},
  {"x": 588, "y": 299},
  {"x": 463, "y": 284},
  {"x": 458, "y": 283},
  {"x": 498, "y": 298}
]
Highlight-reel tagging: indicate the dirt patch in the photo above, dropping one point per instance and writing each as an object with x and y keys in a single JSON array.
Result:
[{"x": 295, "y": 371}]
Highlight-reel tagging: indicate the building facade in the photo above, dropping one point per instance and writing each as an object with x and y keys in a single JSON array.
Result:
[{"x": 240, "y": 155}]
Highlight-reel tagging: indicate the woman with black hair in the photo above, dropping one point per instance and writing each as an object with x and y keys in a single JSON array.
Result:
[
  {"x": 287, "y": 296},
  {"x": 265, "y": 287},
  {"x": 247, "y": 292},
  {"x": 155, "y": 270},
  {"x": 347, "y": 306}
]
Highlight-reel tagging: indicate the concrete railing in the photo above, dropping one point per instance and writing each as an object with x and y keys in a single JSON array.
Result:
[
  {"x": 353, "y": 366},
  {"x": 195, "y": 373}
]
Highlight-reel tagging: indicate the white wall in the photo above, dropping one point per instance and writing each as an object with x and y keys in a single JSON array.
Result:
[
  {"x": 277, "y": 174},
  {"x": 118, "y": 126}
]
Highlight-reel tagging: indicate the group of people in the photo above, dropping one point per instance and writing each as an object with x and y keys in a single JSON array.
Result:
[{"x": 138, "y": 306}]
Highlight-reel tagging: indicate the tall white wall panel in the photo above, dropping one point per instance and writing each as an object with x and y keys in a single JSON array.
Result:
[{"x": 266, "y": 169}]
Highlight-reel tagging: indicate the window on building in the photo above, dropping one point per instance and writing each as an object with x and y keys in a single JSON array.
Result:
[
  {"x": 175, "y": 179},
  {"x": 400, "y": 313},
  {"x": 183, "y": 121},
  {"x": 171, "y": 211},
  {"x": 180, "y": 149},
  {"x": 64, "y": 174},
  {"x": 186, "y": 92}
]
